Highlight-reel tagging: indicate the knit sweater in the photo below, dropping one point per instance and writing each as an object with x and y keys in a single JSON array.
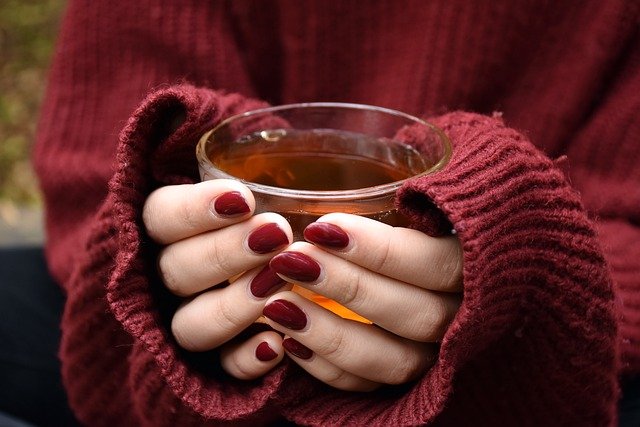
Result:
[{"x": 543, "y": 189}]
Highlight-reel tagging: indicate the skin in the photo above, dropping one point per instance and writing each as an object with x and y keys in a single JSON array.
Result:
[{"x": 383, "y": 271}]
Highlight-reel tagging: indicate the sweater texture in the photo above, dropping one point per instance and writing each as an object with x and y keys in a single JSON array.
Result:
[{"x": 543, "y": 189}]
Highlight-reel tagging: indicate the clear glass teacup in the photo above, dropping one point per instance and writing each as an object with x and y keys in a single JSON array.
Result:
[{"x": 306, "y": 160}]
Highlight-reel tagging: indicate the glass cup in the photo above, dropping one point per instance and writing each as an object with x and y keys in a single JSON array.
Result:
[{"x": 306, "y": 160}]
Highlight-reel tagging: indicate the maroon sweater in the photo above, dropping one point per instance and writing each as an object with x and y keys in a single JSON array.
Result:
[{"x": 548, "y": 213}]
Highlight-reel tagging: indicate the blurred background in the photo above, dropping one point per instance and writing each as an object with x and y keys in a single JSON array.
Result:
[{"x": 28, "y": 30}]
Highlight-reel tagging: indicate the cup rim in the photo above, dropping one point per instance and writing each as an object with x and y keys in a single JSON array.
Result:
[{"x": 359, "y": 193}]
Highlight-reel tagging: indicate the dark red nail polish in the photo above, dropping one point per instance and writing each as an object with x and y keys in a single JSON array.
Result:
[
  {"x": 286, "y": 313},
  {"x": 267, "y": 238},
  {"x": 265, "y": 282},
  {"x": 265, "y": 353},
  {"x": 326, "y": 234},
  {"x": 297, "y": 349},
  {"x": 232, "y": 203},
  {"x": 296, "y": 265}
]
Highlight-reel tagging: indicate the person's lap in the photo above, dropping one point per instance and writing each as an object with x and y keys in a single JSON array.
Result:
[{"x": 31, "y": 304}]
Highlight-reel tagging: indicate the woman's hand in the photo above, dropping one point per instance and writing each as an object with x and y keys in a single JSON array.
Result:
[
  {"x": 407, "y": 283},
  {"x": 211, "y": 237}
]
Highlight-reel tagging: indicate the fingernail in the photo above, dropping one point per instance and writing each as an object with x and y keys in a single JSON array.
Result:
[
  {"x": 265, "y": 353},
  {"x": 265, "y": 282},
  {"x": 296, "y": 265},
  {"x": 232, "y": 203},
  {"x": 325, "y": 234},
  {"x": 267, "y": 238},
  {"x": 286, "y": 313},
  {"x": 297, "y": 349}
]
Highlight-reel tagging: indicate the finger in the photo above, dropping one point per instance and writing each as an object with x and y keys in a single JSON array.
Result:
[
  {"x": 363, "y": 350},
  {"x": 176, "y": 212},
  {"x": 199, "y": 262},
  {"x": 324, "y": 370},
  {"x": 404, "y": 254},
  {"x": 425, "y": 314},
  {"x": 253, "y": 358},
  {"x": 216, "y": 316}
]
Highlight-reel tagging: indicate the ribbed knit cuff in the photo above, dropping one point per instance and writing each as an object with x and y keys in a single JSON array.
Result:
[
  {"x": 165, "y": 387},
  {"x": 534, "y": 338}
]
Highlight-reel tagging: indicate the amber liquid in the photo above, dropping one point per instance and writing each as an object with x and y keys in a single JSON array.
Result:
[
  {"x": 318, "y": 160},
  {"x": 321, "y": 160}
]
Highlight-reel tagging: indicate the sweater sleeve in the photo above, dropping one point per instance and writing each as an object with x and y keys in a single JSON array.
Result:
[
  {"x": 535, "y": 336},
  {"x": 604, "y": 163},
  {"x": 120, "y": 363}
]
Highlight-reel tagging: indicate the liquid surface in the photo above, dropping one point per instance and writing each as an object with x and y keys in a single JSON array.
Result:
[{"x": 319, "y": 160}]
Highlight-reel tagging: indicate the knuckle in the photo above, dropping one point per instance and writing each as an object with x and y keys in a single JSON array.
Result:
[
  {"x": 179, "y": 330},
  {"x": 450, "y": 263},
  {"x": 168, "y": 274},
  {"x": 189, "y": 216},
  {"x": 219, "y": 259},
  {"x": 150, "y": 220},
  {"x": 240, "y": 368},
  {"x": 333, "y": 347},
  {"x": 338, "y": 378},
  {"x": 233, "y": 363},
  {"x": 435, "y": 320},
  {"x": 407, "y": 368},
  {"x": 353, "y": 293},
  {"x": 380, "y": 258},
  {"x": 225, "y": 317}
]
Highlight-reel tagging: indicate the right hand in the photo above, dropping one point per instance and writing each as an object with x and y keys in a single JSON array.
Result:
[{"x": 210, "y": 236}]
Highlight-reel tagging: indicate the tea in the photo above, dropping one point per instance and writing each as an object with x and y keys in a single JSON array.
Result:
[{"x": 320, "y": 160}]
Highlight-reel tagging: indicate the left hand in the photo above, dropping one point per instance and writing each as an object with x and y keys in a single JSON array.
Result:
[{"x": 407, "y": 283}]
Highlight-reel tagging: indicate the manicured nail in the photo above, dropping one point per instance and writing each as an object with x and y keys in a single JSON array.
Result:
[
  {"x": 267, "y": 238},
  {"x": 296, "y": 265},
  {"x": 232, "y": 203},
  {"x": 325, "y": 234},
  {"x": 286, "y": 313},
  {"x": 297, "y": 349},
  {"x": 265, "y": 353},
  {"x": 265, "y": 282}
]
